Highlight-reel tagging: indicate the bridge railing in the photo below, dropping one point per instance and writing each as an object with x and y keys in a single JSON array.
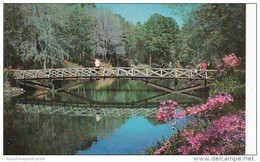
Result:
[{"x": 114, "y": 72}]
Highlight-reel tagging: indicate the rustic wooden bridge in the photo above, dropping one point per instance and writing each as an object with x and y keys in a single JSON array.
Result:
[
  {"x": 146, "y": 75},
  {"x": 114, "y": 72}
]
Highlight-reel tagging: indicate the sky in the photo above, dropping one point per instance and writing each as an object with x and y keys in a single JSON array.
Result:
[{"x": 141, "y": 12}]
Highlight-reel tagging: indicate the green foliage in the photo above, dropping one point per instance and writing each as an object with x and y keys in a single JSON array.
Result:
[
  {"x": 212, "y": 31},
  {"x": 46, "y": 35},
  {"x": 150, "y": 150},
  {"x": 231, "y": 83},
  {"x": 161, "y": 40},
  {"x": 8, "y": 76}
]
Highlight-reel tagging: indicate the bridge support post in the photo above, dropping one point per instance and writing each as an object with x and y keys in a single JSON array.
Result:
[
  {"x": 55, "y": 84},
  {"x": 52, "y": 89},
  {"x": 52, "y": 86},
  {"x": 205, "y": 83},
  {"x": 176, "y": 87}
]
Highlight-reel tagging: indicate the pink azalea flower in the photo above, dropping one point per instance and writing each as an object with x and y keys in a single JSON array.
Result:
[
  {"x": 182, "y": 114},
  {"x": 173, "y": 124},
  {"x": 169, "y": 101},
  {"x": 231, "y": 60},
  {"x": 163, "y": 103}
]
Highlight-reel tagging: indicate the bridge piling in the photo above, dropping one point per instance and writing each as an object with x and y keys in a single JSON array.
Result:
[
  {"x": 176, "y": 87},
  {"x": 52, "y": 86}
]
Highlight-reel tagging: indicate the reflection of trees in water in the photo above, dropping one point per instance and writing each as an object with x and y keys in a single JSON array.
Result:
[
  {"x": 56, "y": 134},
  {"x": 126, "y": 91},
  {"x": 152, "y": 120},
  {"x": 50, "y": 134}
]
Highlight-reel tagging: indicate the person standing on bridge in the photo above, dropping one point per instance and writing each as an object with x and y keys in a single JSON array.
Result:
[
  {"x": 170, "y": 65},
  {"x": 198, "y": 68},
  {"x": 204, "y": 65},
  {"x": 97, "y": 63}
]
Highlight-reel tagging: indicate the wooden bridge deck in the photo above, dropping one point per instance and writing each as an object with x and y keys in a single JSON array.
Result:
[{"x": 113, "y": 72}]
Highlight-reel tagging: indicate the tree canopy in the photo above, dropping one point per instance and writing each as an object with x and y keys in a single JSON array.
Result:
[{"x": 47, "y": 35}]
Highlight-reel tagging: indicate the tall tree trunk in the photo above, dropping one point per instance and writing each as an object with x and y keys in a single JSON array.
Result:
[{"x": 44, "y": 64}]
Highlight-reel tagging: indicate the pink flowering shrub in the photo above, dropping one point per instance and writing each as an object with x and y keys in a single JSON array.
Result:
[
  {"x": 223, "y": 136},
  {"x": 216, "y": 135},
  {"x": 231, "y": 60},
  {"x": 164, "y": 147},
  {"x": 212, "y": 104},
  {"x": 168, "y": 110}
]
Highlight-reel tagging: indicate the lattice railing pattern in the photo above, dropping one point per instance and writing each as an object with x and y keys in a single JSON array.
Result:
[
  {"x": 114, "y": 72},
  {"x": 86, "y": 111},
  {"x": 13, "y": 91}
]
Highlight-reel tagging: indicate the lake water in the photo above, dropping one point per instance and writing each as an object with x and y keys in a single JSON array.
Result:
[{"x": 98, "y": 117}]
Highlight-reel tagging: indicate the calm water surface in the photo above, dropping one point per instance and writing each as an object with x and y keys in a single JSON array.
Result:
[{"x": 104, "y": 117}]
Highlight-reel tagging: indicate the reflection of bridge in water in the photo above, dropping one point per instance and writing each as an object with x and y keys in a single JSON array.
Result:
[
  {"x": 82, "y": 110},
  {"x": 75, "y": 104},
  {"x": 116, "y": 109}
]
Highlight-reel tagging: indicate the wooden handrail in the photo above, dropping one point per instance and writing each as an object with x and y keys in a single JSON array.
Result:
[{"x": 119, "y": 72}]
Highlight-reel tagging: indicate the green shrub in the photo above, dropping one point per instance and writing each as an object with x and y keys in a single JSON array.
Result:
[
  {"x": 230, "y": 83},
  {"x": 8, "y": 75}
]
